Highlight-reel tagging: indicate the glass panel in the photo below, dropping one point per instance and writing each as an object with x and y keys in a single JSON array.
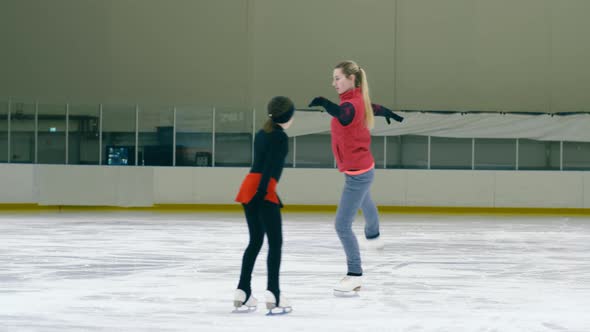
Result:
[
  {"x": 538, "y": 155},
  {"x": 414, "y": 151},
  {"x": 233, "y": 137},
  {"x": 394, "y": 152},
  {"x": 83, "y": 148},
  {"x": 496, "y": 153},
  {"x": 194, "y": 142},
  {"x": 450, "y": 153},
  {"x": 3, "y": 131},
  {"x": 22, "y": 136},
  {"x": 377, "y": 150},
  {"x": 156, "y": 135},
  {"x": 51, "y": 134},
  {"x": 314, "y": 151},
  {"x": 576, "y": 156},
  {"x": 118, "y": 135},
  {"x": 289, "y": 159}
]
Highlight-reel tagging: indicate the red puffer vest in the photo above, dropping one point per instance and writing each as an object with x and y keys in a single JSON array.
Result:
[{"x": 351, "y": 144}]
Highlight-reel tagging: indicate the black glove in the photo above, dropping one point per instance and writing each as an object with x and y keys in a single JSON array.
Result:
[
  {"x": 318, "y": 101},
  {"x": 390, "y": 115}
]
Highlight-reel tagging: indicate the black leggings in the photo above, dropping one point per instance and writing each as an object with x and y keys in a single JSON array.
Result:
[{"x": 263, "y": 217}]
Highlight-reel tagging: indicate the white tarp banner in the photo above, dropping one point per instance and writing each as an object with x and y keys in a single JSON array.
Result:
[{"x": 543, "y": 127}]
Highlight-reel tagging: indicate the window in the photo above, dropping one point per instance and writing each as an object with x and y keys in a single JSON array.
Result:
[
  {"x": 495, "y": 153},
  {"x": 156, "y": 130},
  {"x": 194, "y": 136},
  {"x": 408, "y": 151},
  {"x": 22, "y": 133},
  {"x": 314, "y": 151},
  {"x": 118, "y": 135},
  {"x": 3, "y": 131},
  {"x": 576, "y": 156},
  {"x": 377, "y": 143},
  {"x": 233, "y": 137},
  {"x": 51, "y": 134},
  {"x": 450, "y": 153},
  {"x": 538, "y": 155}
]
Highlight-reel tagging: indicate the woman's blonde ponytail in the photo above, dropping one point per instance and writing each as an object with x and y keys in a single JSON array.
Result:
[{"x": 369, "y": 117}]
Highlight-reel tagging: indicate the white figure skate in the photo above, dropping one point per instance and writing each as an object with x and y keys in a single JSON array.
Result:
[
  {"x": 283, "y": 308},
  {"x": 240, "y": 303},
  {"x": 349, "y": 286},
  {"x": 375, "y": 244}
]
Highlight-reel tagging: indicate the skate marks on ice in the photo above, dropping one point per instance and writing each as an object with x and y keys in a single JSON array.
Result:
[
  {"x": 504, "y": 267},
  {"x": 133, "y": 272},
  {"x": 500, "y": 269},
  {"x": 66, "y": 274}
]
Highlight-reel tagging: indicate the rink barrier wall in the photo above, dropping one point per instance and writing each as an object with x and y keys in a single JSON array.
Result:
[
  {"x": 214, "y": 188},
  {"x": 329, "y": 209}
]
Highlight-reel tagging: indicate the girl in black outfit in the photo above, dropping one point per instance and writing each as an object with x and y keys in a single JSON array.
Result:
[{"x": 262, "y": 206}]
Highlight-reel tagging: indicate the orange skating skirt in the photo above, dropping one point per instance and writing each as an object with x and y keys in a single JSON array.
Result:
[{"x": 250, "y": 186}]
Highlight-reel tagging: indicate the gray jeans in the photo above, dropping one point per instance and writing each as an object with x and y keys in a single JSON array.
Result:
[{"x": 356, "y": 194}]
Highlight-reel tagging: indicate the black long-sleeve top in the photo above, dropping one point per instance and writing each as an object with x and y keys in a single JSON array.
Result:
[
  {"x": 270, "y": 151},
  {"x": 345, "y": 112}
]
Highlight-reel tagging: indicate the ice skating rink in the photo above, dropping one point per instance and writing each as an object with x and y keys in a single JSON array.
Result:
[{"x": 177, "y": 272}]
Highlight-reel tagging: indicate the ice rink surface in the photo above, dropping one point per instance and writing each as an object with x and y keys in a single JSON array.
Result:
[{"x": 177, "y": 272}]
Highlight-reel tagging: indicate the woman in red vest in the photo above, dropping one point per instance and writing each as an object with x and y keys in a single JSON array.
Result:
[
  {"x": 262, "y": 207},
  {"x": 353, "y": 118}
]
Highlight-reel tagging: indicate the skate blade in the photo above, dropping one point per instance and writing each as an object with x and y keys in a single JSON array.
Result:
[
  {"x": 352, "y": 293},
  {"x": 277, "y": 311},
  {"x": 243, "y": 310}
]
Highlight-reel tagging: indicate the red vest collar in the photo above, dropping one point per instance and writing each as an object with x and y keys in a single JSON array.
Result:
[{"x": 349, "y": 94}]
